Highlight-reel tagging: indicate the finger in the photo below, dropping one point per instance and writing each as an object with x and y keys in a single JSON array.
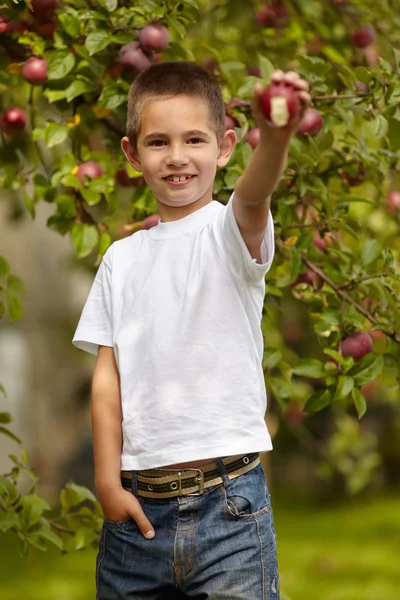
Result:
[
  {"x": 296, "y": 81},
  {"x": 305, "y": 97},
  {"x": 278, "y": 76},
  {"x": 142, "y": 521}
]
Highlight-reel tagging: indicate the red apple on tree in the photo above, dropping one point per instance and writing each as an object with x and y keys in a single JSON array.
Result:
[
  {"x": 34, "y": 70},
  {"x": 132, "y": 55},
  {"x": 323, "y": 242},
  {"x": 230, "y": 122},
  {"x": 90, "y": 168},
  {"x": 357, "y": 345},
  {"x": 280, "y": 103},
  {"x": 3, "y": 25},
  {"x": 311, "y": 123},
  {"x": 13, "y": 121},
  {"x": 253, "y": 137},
  {"x": 154, "y": 37},
  {"x": 393, "y": 203},
  {"x": 43, "y": 6},
  {"x": 311, "y": 278},
  {"x": 150, "y": 221},
  {"x": 363, "y": 36}
]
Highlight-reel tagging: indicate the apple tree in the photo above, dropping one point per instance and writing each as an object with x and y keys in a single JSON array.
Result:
[{"x": 331, "y": 313}]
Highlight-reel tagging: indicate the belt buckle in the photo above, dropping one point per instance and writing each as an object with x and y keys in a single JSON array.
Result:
[{"x": 200, "y": 480}]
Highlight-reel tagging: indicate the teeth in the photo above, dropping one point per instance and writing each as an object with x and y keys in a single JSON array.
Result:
[{"x": 183, "y": 178}]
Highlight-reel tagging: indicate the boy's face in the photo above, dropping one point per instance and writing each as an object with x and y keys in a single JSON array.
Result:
[{"x": 176, "y": 140}]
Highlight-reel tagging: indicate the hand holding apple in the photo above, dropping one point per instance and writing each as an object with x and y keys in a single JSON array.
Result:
[{"x": 279, "y": 109}]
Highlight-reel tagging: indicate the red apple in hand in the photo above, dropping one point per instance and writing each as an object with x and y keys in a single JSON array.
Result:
[
  {"x": 154, "y": 37},
  {"x": 280, "y": 103},
  {"x": 90, "y": 168},
  {"x": 132, "y": 55},
  {"x": 357, "y": 345},
  {"x": 13, "y": 121},
  {"x": 363, "y": 36},
  {"x": 150, "y": 221},
  {"x": 35, "y": 70},
  {"x": 311, "y": 123}
]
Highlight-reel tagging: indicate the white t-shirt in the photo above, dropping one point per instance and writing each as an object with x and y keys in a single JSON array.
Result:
[{"x": 181, "y": 305}]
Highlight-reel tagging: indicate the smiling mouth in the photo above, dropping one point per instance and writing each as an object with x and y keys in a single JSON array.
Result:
[{"x": 178, "y": 178}]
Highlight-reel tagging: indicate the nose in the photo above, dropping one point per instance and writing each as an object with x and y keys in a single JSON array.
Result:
[{"x": 177, "y": 155}]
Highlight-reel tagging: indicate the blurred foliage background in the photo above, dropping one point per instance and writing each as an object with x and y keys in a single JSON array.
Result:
[{"x": 334, "y": 415}]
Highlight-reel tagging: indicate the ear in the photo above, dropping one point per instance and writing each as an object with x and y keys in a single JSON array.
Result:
[
  {"x": 226, "y": 147},
  {"x": 131, "y": 154}
]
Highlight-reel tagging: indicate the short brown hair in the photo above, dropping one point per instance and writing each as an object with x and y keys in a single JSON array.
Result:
[{"x": 169, "y": 79}]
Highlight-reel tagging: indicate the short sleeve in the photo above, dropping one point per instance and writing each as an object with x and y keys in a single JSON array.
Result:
[
  {"x": 235, "y": 251},
  {"x": 95, "y": 323}
]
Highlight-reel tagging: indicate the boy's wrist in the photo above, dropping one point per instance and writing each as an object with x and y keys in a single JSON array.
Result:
[{"x": 105, "y": 485}]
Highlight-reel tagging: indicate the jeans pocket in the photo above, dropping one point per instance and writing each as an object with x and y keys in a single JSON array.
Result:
[
  {"x": 120, "y": 524},
  {"x": 247, "y": 497}
]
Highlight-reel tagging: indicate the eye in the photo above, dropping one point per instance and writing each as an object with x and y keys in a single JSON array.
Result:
[
  {"x": 156, "y": 143},
  {"x": 196, "y": 140}
]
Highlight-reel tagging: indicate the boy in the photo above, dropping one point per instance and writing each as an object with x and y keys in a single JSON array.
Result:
[{"x": 178, "y": 392}]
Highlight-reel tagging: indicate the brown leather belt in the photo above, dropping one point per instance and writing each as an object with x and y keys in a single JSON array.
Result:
[{"x": 155, "y": 483}]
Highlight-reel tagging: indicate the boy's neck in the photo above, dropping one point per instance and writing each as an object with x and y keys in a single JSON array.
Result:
[{"x": 171, "y": 213}]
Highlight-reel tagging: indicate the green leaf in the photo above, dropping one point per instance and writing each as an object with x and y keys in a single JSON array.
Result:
[
  {"x": 309, "y": 367},
  {"x": 381, "y": 127},
  {"x": 74, "y": 494},
  {"x": 60, "y": 63},
  {"x": 371, "y": 251},
  {"x": 110, "y": 5},
  {"x": 333, "y": 55},
  {"x": 10, "y": 434},
  {"x": 105, "y": 242},
  {"x": 272, "y": 357},
  {"x": 55, "y": 134},
  {"x": 318, "y": 401},
  {"x": 54, "y": 95},
  {"x": 5, "y": 417},
  {"x": 8, "y": 520},
  {"x": 66, "y": 205},
  {"x": 91, "y": 196},
  {"x": 14, "y": 306},
  {"x": 97, "y": 41},
  {"x": 266, "y": 67},
  {"x": 4, "y": 268},
  {"x": 78, "y": 87},
  {"x": 70, "y": 24},
  {"x": 46, "y": 532},
  {"x": 280, "y": 388},
  {"x": 112, "y": 96},
  {"x": 363, "y": 74},
  {"x": 33, "y": 508},
  {"x": 394, "y": 132},
  {"x": 85, "y": 238},
  {"x": 367, "y": 369},
  {"x": 84, "y": 536},
  {"x": 344, "y": 387},
  {"x": 359, "y": 402}
]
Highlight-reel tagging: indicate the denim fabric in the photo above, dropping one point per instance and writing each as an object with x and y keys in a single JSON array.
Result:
[{"x": 220, "y": 545}]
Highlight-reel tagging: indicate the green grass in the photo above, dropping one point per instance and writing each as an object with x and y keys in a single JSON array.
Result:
[{"x": 342, "y": 553}]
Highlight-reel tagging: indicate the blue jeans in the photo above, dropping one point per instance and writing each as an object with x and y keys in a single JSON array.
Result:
[{"x": 220, "y": 545}]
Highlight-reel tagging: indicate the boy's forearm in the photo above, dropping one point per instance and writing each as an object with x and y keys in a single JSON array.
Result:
[
  {"x": 263, "y": 172},
  {"x": 106, "y": 434}
]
